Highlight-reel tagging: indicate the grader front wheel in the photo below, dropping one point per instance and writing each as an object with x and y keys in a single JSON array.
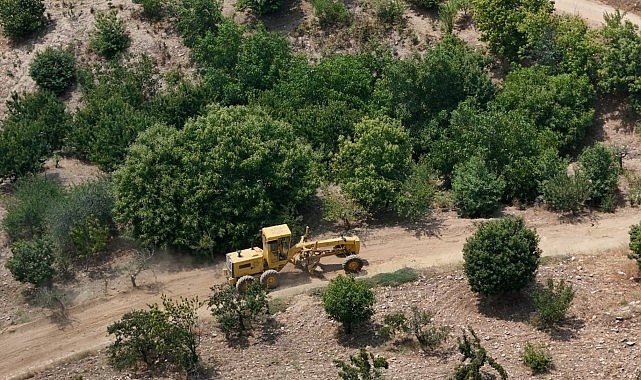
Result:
[
  {"x": 243, "y": 283},
  {"x": 353, "y": 264},
  {"x": 269, "y": 279}
]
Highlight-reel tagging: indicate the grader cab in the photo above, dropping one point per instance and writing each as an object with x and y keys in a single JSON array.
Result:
[{"x": 265, "y": 263}]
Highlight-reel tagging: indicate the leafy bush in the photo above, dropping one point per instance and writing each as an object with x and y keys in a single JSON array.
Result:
[
  {"x": 388, "y": 11},
  {"x": 337, "y": 207},
  {"x": 110, "y": 36},
  {"x": 601, "y": 167},
  {"x": 234, "y": 311},
  {"x": 53, "y": 69},
  {"x": 474, "y": 358},
  {"x": 501, "y": 256},
  {"x": 197, "y": 18},
  {"x": 635, "y": 244},
  {"x": 476, "y": 191},
  {"x": 151, "y": 9},
  {"x": 426, "y": 4},
  {"x": 427, "y": 337},
  {"x": 566, "y": 192},
  {"x": 634, "y": 188},
  {"x": 260, "y": 7},
  {"x": 168, "y": 192},
  {"x": 536, "y": 358},
  {"x": 372, "y": 167},
  {"x": 360, "y": 367},
  {"x": 416, "y": 195},
  {"x": 34, "y": 128},
  {"x": 331, "y": 13},
  {"x": 27, "y": 210},
  {"x": 157, "y": 337},
  {"x": 348, "y": 301},
  {"x": 32, "y": 261},
  {"x": 551, "y": 303},
  {"x": 21, "y": 17}
]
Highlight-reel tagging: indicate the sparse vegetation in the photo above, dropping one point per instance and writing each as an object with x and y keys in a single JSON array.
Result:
[
  {"x": 551, "y": 302},
  {"x": 364, "y": 366},
  {"x": 418, "y": 324},
  {"x": 536, "y": 358},
  {"x": 635, "y": 244},
  {"x": 395, "y": 278},
  {"x": 234, "y": 310},
  {"x": 110, "y": 37},
  {"x": 474, "y": 358}
]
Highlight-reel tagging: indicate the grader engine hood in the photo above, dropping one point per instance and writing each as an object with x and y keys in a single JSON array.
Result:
[{"x": 244, "y": 262}]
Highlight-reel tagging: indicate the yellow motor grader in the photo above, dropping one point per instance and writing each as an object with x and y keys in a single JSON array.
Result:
[{"x": 249, "y": 264}]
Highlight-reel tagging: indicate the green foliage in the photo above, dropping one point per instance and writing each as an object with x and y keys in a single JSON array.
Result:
[
  {"x": 210, "y": 186},
  {"x": 635, "y": 244},
  {"x": 53, "y": 69},
  {"x": 348, "y": 301},
  {"x": 634, "y": 188},
  {"x": 32, "y": 261},
  {"x": 502, "y": 256},
  {"x": 110, "y": 37},
  {"x": 427, "y": 337},
  {"x": 396, "y": 278},
  {"x": 197, "y": 18},
  {"x": 388, "y": 11},
  {"x": 337, "y": 207},
  {"x": 426, "y": 4},
  {"x": 34, "y": 128},
  {"x": 476, "y": 191},
  {"x": 235, "y": 311},
  {"x": 372, "y": 168},
  {"x": 157, "y": 338},
  {"x": 416, "y": 195},
  {"x": 364, "y": 366},
  {"x": 331, "y": 13},
  {"x": 26, "y": 211},
  {"x": 182, "y": 100},
  {"x": 561, "y": 103},
  {"x": 536, "y": 358},
  {"x": 566, "y": 192},
  {"x": 260, "y": 7},
  {"x": 474, "y": 358},
  {"x": 500, "y": 20},
  {"x": 447, "y": 11},
  {"x": 152, "y": 9},
  {"x": 601, "y": 167},
  {"x": 551, "y": 303},
  {"x": 19, "y": 18}
]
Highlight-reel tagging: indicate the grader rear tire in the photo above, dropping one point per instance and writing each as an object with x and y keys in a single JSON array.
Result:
[
  {"x": 353, "y": 264},
  {"x": 269, "y": 278},
  {"x": 243, "y": 283}
]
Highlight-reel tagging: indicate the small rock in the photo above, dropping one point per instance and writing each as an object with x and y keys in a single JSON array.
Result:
[{"x": 630, "y": 343}]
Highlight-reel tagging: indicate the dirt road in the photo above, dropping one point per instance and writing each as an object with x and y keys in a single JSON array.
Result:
[
  {"x": 28, "y": 347},
  {"x": 592, "y": 11}
]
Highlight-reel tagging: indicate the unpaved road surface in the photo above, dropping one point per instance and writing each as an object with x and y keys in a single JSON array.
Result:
[
  {"x": 591, "y": 11},
  {"x": 31, "y": 346}
]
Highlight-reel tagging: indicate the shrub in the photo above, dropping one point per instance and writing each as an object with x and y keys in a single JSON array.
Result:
[
  {"x": 426, "y": 4},
  {"x": 536, "y": 358},
  {"x": 348, "y": 301},
  {"x": 21, "y": 17},
  {"x": 32, "y": 261},
  {"x": 476, "y": 191},
  {"x": 151, "y": 9},
  {"x": 551, "y": 303},
  {"x": 26, "y": 212},
  {"x": 331, "y": 12},
  {"x": 388, "y": 11},
  {"x": 53, "y": 69},
  {"x": 416, "y": 195},
  {"x": 501, "y": 256},
  {"x": 427, "y": 337},
  {"x": 634, "y": 188},
  {"x": 196, "y": 18},
  {"x": 260, "y": 7},
  {"x": 635, "y": 244},
  {"x": 157, "y": 337},
  {"x": 360, "y": 367},
  {"x": 474, "y": 358},
  {"x": 110, "y": 37},
  {"x": 234, "y": 311},
  {"x": 337, "y": 207},
  {"x": 601, "y": 167},
  {"x": 566, "y": 192}
]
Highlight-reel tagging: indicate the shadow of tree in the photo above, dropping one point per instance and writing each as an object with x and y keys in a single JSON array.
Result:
[
  {"x": 515, "y": 306},
  {"x": 567, "y": 330},
  {"x": 362, "y": 335},
  {"x": 270, "y": 330}
]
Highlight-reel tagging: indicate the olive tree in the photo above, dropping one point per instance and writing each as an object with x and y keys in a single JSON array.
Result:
[{"x": 501, "y": 256}]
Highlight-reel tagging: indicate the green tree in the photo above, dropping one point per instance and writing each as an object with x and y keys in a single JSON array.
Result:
[
  {"x": 499, "y": 22},
  {"x": 635, "y": 244},
  {"x": 211, "y": 185},
  {"x": 32, "y": 261},
  {"x": 235, "y": 311},
  {"x": 20, "y": 18},
  {"x": 53, "y": 69},
  {"x": 34, "y": 128},
  {"x": 110, "y": 37},
  {"x": 416, "y": 195},
  {"x": 371, "y": 168},
  {"x": 348, "y": 301},
  {"x": 196, "y": 18},
  {"x": 476, "y": 191},
  {"x": 501, "y": 256},
  {"x": 157, "y": 337},
  {"x": 600, "y": 166},
  {"x": 364, "y": 366}
]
